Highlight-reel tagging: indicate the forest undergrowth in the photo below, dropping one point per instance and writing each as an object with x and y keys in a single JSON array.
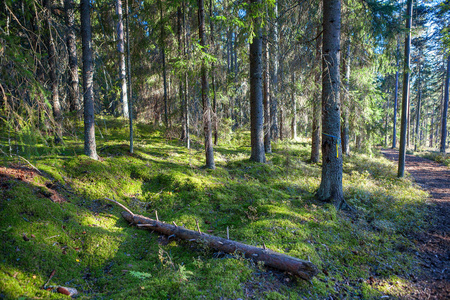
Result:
[{"x": 58, "y": 220}]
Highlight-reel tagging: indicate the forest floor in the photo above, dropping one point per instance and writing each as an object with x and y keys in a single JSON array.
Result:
[{"x": 433, "y": 244}]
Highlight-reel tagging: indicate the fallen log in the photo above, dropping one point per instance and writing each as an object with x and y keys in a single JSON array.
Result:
[{"x": 301, "y": 268}]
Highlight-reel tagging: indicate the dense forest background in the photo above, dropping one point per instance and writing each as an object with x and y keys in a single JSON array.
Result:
[{"x": 154, "y": 48}]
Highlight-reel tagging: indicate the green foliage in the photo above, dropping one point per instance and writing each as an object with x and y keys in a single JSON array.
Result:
[{"x": 94, "y": 250}]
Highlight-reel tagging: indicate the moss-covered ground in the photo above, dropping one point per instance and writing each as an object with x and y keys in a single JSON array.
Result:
[{"x": 365, "y": 253}]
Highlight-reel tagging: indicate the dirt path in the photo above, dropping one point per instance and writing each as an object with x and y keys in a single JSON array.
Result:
[{"x": 433, "y": 244}]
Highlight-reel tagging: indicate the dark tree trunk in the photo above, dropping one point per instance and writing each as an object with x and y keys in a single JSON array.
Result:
[
  {"x": 445, "y": 109},
  {"x": 266, "y": 99},
  {"x": 88, "y": 83},
  {"x": 213, "y": 79},
  {"x": 316, "y": 112},
  {"x": 346, "y": 102},
  {"x": 122, "y": 65},
  {"x": 163, "y": 54},
  {"x": 209, "y": 151},
  {"x": 53, "y": 71},
  {"x": 74, "y": 94},
  {"x": 418, "y": 108},
  {"x": 394, "y": 134},
  {"x": 180, "y": 14},
  {"x": 256, "y": 93},
  {"x": 294, "y": 108},
  {"x": 331, "y": 183},
  {"x": 274, "y": 89},
  {"x": 405, "y": 100},
  {"x": 130, "y": 98},
  {"x": 186, "y": 86}
]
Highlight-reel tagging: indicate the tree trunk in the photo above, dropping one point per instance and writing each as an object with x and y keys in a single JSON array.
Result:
[
  {"x": 394, "y": 134},
  {"x": 163, "y": 54},
  {"x": 418, "y": 108},
  {"x": 294, "y": 108},
  {"x": 130, "y": 98},
  {"x": 405, "y": 100},
  {"x": 346, "y": 102},
  {"x": 256, "y": 93},
  {"x": 266, "y": 99},
  {"x": 445, "y": 109},
  {"x": 122, "y": 66},
  {"x": 53, "y": 71},
  {"x": 301, "y": 268},
  {"x": 74, "y": 94},
  {"x": 274, "y": 89},
  {"x": 88, "y": 83},
  {"x": 205, "y": 98},
  {"x": 213, "y": 70},
  {"x": 186, "y": 86},
  {"x": 330, "y": 189},
  {"x": 316, "y": 113},
  {"x": 180, "y": 54}
]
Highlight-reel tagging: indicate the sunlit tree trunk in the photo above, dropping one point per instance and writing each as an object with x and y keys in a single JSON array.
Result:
[
  {"x": 130, "y": 98},
  {"x": 346, "y": 102},
  {"x": 330, "y": 189},
  {"x": 213, "y": 78},
  {"x": 256, "y": 93},
  {"x": 418, "y": 108},
  {"x": 394, "y": 134},
  {"x": 266, "y": 95},
  {"x": 316, "y": 111},
  {"x": 74, "y": 99},
  {"x": 88, "y": 83},
  {"x": 445, "y": 109},
  {"x": 205, "y": 98},
  {"x": 294, "y": 108},
  {"x": 405, "y": 100},
  {"x": 122, "y": 65},
  {"x": 53, "y": 71}
]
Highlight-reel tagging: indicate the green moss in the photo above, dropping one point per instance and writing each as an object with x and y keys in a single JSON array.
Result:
[{"x": 94, "y": 250}]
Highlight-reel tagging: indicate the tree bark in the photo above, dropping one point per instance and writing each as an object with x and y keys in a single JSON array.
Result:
[
  {"x": 316, "y": 113},
  {"x": 274, "y": 89},
  {"x": 394, "y": 134},
  {"x": 163, "y": 55},
  {"x": 405, "y": 100},
  {"x": 88, "y": 83},
  {"x": 418, "y": 108},
  {"x": 330, "y": 189},
  {"x": 205, "y": 98},
  {"x": 256, "y": 93},
  {"x": 301, "y": 268},
  {"x": 294, "y": 108},
  {"x": 122, "y": 66},
  {"x": 346, "y": 102},
  {"x": 445, "y": 109},
  {"x": 213, "y": 78},
  {"x": 266, "y": 99},
  {"x": 53, "y": 71},
  {"x": 130, "y": 98},
  {"x": 74, "y": 93}
]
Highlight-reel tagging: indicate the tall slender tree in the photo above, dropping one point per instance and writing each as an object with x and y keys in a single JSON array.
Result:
[
  {"x": 122, "y": 65},
  {"x": 53, "y": 70},
  {"x": 256, "y": 93},
  {"x": 445, "y": 108},
  {"x": 209, "y": 151},
  {"x": 274, "y": 97},
  {"x": 394, "y": 122},
  {"x": 330, "y": 189},
  {"x": 266, "y": 96},
  {"x": 74, "y": 97},
  {"x": 130, "y": 98},
  {"x": 316, "y": 112},
  {"x": 405, "y": 100},
  {"x": 88, "y": 82},
  {"x": 345, "y": 102}
]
